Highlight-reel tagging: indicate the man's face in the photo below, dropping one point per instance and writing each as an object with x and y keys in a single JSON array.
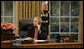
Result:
[{"x": 35, "y": 22}]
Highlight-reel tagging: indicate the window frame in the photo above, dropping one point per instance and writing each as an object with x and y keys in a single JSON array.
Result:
[
  {"x": 14, "y": 14},
  {"x": 63, "y": 17}
]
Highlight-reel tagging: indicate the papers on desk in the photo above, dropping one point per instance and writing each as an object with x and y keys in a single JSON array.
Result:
[
  {"x": 22, "y": 39},
  {"x": 43, "y": 40},
  {"x": 6, "y": 41}
]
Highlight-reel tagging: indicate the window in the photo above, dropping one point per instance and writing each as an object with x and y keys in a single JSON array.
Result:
[
  {"x": 64, "y": 18},
  {"x": 8, "y": 11}
]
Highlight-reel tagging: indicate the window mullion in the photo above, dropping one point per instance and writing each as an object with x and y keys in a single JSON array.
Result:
[
  {"x": 59, "y": 15},
  {"x": 70, "y": 19},
  {"x": 3, "y": 11},
  {"x": 13, "y": 12},
  {"x": 50, "y": 17}
]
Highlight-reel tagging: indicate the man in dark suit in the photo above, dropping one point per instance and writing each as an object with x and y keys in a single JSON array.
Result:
[{"x": 37, "y": 31}]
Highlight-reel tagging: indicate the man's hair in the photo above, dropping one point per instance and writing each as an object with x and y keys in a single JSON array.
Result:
[{"x": 39, "y": 19}]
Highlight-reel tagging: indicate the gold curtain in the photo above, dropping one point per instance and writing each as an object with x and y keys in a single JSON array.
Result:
[
  {"x": 80, "y": 34},
  {"x": 27, "y": 9}
]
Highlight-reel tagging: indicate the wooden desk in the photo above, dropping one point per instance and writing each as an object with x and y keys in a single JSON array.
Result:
[
  {"x": 9, "y": 36},
  {"x": 6, "y": 45},
  {"x": 50, "y": 45}
]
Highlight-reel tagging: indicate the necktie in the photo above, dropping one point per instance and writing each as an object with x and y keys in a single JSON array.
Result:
[{"x": 35, "y": 35}]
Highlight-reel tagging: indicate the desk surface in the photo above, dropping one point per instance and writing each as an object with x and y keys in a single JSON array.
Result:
[{"x": 51, "y": 45}]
